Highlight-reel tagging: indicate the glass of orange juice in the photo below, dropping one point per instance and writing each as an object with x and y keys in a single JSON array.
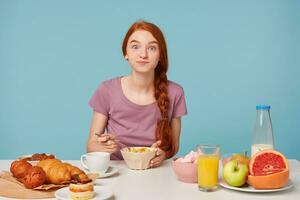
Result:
[{"x": 208, "y": 167}]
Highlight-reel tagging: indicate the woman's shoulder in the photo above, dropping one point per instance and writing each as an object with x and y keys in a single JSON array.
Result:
[
  {"x": 110, "y": 83},
  {"x": 174, "y": 87}
]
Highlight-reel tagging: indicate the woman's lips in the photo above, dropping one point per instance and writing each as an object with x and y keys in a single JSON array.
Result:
[{"x": 142, "y": 62}]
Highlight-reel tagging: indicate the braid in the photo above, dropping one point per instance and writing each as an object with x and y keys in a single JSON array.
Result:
[{"x": 163, "y": 130}]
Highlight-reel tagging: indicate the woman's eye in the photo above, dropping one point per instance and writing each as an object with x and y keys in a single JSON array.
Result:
[
  {"x": 134, "y": 46},
  {"x": 152, "y": 48}
]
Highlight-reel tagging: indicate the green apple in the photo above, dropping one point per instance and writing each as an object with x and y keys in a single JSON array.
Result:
[
  {"x": 241, "y": 158},
  {"x": 235, "y": 173}
]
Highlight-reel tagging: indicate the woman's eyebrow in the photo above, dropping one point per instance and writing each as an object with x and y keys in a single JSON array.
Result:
[
  {"x": 135, "y": 41},
  {"x": 132, "y": 41},
  {"x": 153, "y": 42}
]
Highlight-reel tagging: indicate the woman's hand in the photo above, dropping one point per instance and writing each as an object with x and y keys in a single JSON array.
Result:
[
  {"x": 107, "y": 142},
  {"x": 160, "y": 155}
]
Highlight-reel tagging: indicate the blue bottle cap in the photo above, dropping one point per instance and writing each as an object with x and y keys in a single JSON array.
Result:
[{"x": 262, "y": 107}]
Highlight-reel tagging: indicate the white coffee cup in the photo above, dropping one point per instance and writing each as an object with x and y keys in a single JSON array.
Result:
[{"x": 96, "y": 161}]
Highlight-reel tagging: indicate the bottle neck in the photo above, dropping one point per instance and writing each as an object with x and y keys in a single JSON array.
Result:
[{"x": 263, "y": 116}]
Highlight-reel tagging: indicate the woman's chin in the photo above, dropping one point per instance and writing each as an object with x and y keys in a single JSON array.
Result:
[{"x": 144, "y": 70}]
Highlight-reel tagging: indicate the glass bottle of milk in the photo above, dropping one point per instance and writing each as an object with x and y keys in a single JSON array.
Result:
[{"x": 263, "y": 133}]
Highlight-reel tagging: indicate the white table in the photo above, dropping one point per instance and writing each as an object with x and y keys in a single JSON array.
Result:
[{"x": 161, "y": 183}]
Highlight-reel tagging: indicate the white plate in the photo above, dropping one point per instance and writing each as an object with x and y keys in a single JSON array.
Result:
[
  {"x": 249, "y": 188},
  {"x": 101, "y": 192},
  {"x": 110, "y": 171}
]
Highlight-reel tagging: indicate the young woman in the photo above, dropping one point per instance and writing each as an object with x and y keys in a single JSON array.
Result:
[{"x": 142, "y": 108}]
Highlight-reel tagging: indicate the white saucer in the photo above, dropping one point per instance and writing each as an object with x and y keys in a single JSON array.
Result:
[
  {"x": 110, "y": 171},
  {"x": 101, "y": 192}
]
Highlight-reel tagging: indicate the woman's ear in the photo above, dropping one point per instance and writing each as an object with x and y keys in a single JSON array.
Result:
[{"x": 126, "y": 57}]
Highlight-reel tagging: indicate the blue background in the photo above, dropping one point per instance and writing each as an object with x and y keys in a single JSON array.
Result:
[{"x": 228, "y": 55}]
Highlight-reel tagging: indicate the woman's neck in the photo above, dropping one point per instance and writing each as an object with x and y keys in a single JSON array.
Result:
[{"x": 141, "y": 82}]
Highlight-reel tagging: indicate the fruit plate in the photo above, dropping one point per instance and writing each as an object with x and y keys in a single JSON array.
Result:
[{"x": 249, "y": 188}]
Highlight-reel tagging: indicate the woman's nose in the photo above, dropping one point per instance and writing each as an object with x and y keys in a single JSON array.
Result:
[{"x": 143, "y": 53}]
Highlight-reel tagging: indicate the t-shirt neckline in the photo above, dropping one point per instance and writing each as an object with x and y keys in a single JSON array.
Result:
[{"x": 138, "y": 106}]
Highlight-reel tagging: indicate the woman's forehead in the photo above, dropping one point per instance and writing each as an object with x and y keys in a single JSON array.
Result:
[{"x": 142, "y": 36}]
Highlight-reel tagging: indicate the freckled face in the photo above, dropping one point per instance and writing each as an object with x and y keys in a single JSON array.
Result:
[{"x": 142, "y": 51}]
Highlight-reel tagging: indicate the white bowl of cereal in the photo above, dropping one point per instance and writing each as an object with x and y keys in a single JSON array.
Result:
[{"x": 138, "y": 157}]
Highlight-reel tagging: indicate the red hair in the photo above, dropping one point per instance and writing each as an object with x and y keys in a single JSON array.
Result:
[{"x": 163, "y": 129}]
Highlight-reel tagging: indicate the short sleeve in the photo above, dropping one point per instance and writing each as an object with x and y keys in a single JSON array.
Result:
[
  {"x": 100, "y": 100},
  {"x": 179, "y": 105}
]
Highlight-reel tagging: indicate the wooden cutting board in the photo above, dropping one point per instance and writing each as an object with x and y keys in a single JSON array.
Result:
[{"x": 9, "y": 187}]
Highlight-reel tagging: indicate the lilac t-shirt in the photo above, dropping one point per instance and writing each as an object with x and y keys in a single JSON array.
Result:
[{"x": 133, "y": 124}]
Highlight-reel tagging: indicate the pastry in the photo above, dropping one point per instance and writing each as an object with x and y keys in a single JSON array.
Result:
[
  {"x": 82, "y": 191},
  {"x": 19, "y": 168},
  {"x": 76, "y": 173},
  {"x": 39, "y": 156},
  {"x": 30, "y": 176},
  {"x": 34, "y": 177},
  {"x": 58, "y": 172}
]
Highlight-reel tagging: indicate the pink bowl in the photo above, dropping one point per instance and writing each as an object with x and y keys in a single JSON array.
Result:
[{"x": 186, "y": 172}]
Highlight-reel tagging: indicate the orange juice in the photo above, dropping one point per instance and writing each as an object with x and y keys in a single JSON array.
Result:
[{"x": 208, "y": 171}]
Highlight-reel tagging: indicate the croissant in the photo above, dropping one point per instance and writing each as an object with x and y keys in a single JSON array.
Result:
[
  {"x": 58, "y": 172},
  {"x": 30, "y": 176},
  {"x": 35, "y": 177},
  {"x": 48, "y": 163},
  {"x": 19, "y": 168},
  {"x": 39, "y": 156},
  {"x": 77, "y": 174}
]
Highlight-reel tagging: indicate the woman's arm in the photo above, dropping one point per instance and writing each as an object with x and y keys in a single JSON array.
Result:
[
  {"x": 97, "y": 140},
  {"x": 160, "y": 154},
  {"x": 176, "y": 128}
]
